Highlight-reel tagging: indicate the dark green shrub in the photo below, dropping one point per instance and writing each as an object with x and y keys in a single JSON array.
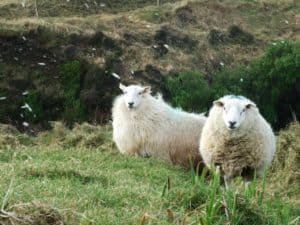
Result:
[
  {"x": 216, "y": 37},
  {"x": 36, "y": 113},
  {"x": 272, "y": 82},
  {"x": 229, "y": 81},
  {"x": 73, "y": 108},
  {"x": 237, "y": 35},
  {"x": 190, "y": 91}
]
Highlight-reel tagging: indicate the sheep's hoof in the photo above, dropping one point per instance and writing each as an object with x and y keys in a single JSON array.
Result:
[{"x": 145, "y": 155}]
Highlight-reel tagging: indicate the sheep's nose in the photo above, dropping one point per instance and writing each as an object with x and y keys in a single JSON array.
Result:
[
  {"x": 231, "y": 124},
  {"x": 130, "y": 104}
]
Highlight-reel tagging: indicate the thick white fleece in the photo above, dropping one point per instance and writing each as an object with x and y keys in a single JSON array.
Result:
[
  {"x": 156, "y": 129},
  {"x": 251, "y": 146}
]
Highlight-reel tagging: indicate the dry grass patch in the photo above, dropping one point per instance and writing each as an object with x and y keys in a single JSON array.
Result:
[
  {"x": 31, "y": 214},
  {"x": 285, "y": 171}
]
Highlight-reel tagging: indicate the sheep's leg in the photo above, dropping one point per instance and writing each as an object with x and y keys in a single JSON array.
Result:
[
  {"x": 247, "y": 183},
  {"x": 218, "y": 170},
  {"x": 260, "y": 172},
  {"x": 248, "y": 175},
  {"x": 227, "y": 180},
  {"x": 145, "y": 155}
]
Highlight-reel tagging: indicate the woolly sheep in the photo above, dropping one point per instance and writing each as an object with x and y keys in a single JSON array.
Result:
[
  {"x": 147, "y": 126},
  {"x": 237, "y": 139}
]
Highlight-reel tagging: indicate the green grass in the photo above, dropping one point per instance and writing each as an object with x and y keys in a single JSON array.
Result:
[{"x": 94, "y": 184}]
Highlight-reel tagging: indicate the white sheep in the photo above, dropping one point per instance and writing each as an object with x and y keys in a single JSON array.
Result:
[
  {"x": 147, "y": 126},
  {"x": 237, "y": 139}
]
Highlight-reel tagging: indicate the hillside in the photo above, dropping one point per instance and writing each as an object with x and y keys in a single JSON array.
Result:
[
  {"x": 78, "y": 177},
  {"x": 139, "y": 41},
  {"x": 62, "y": 60}
]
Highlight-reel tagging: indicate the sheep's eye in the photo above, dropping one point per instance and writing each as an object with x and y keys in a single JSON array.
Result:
[
  {"x": 243, "y": 111},
  {"x": 140, "y": 93}
]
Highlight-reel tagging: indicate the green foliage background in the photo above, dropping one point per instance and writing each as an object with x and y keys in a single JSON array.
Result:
[
  {"x": 272, "y": 81},
  {"x": 73, "y": 108}
]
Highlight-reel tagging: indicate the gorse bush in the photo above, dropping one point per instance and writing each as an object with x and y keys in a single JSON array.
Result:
[
  {"x": 189, "y": 90},
  {"x": 271, "y": 81},
  {"x": 73, "y": 108},
  {"x": 37, "y": 112},
  {"x": 276, "y": 79}
]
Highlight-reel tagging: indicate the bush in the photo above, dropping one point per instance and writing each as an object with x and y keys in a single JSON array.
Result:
[
  {"x": 190, "y": 91},
  {"x": 275, "y": 82},
  {"x": 73, "y": 108},
  {"x": 36, "y": 113},
  {"x": 271, "y": 81}
]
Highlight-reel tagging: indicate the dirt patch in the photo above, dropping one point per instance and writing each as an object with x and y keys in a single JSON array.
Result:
[
  {"x": 171, "y": 36},
  {"x": 233, "y": 35},
  {"x": 31, "y": 214},
  {"x": 238, "y": 36},
  {"x": 32, "y": 78}
]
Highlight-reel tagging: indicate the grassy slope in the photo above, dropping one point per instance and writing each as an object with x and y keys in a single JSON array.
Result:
[
  {"x": 131, "y": 43},
  {"x": 81, "y": 174},
  {"x": 267, "y": 21},
  {"x": 106, "y": 187},
  {"x": 100, "y": 183}
]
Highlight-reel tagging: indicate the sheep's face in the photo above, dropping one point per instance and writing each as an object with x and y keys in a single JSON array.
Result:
[
  {"x": 234, "y": 111},
  {"x": 134, "y": 94}
]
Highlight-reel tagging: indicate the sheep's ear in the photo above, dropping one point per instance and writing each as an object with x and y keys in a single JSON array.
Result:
[
  {"x": 147, "y": 89},
  {"x": 122, "y": 87},
  {"x": 218, "y": 103},
  {"x": 250, "y": 105}
]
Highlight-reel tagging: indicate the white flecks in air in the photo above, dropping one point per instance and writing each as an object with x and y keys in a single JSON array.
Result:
[
  {"x": 115, "y": 75},
  {"x": 166, "y": 46},
  {"x": 25, "y": 124},
  {"x": 26, "y": 106}
]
